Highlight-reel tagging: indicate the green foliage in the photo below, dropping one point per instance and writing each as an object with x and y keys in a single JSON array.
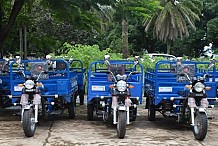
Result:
[{"x": 88, "y": 54}]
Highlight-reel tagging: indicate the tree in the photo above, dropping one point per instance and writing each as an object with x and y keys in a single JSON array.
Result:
[
  {"x": 6, "y": 23},
  {"x": 174, "y": 19},
  {"x": 128, "y": 8}
]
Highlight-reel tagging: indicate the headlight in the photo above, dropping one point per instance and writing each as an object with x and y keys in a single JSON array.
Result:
[
  {"x": 29, "y": 84},
  {"x": 121, "y": 77},
  {"x": 199, "y": 87},
  {"x": 121, "y": 86}
]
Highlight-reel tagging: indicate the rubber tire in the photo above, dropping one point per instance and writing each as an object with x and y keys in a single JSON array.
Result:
[
  {"x": 90, "y": 110},
  {"x": 74, "y": 97},
  {"x": 202, "y": 130},
  {"x": 151, "y": 112},
  {"x": 81, "y": 97},
  {"x": 134, "y": 114},
  {"x": 71, "y": 110},
  {"x": 45, "y": 115},
  {"x": 121, "y": 125},
  {"x": 27, "y": 123}
]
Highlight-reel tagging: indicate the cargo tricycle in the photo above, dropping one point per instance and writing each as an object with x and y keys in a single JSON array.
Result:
[
  {"x": 77, "y": 65},
  {"x": 181, "y": 89},
  {"x": 42, "y": 87},
  {"x": 115, "y": 88},
  {"x": 4, "y": 83}
]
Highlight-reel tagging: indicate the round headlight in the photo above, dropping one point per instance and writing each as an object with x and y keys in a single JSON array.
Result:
[
  {"x": 199, "y": 87},
  {"x": 29, "y": 84},
  {"x": 121, "y": 77},
  {"x": 121, "y": 86}
]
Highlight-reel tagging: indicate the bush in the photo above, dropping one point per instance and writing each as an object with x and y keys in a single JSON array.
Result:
[{"x": 87, "y": 53}]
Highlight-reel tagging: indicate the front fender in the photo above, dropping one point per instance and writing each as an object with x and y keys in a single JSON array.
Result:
[
  {"x": 202, "y": 110},
  {"x": 27, "y": 107},
  {"x": 121, "y": 108}
]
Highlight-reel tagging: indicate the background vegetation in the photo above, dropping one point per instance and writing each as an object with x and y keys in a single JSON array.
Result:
[{"x": 88, "y": 29}]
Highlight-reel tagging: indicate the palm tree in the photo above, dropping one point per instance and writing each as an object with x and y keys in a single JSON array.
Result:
[
  {"x": 174, "y": 19},
  {"x": 127, "y": 8}
]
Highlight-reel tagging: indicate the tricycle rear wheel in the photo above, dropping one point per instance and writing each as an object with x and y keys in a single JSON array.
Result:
[
  {"x": 71, "y": 110},
  {"x": 134, "y": 114},
  {"x": 81, "y": 96},
  {"x": 90, "y": 110},
  {"x": 151, "y": 112}
]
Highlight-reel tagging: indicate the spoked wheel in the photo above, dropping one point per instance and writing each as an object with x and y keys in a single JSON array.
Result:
[
  {"x": 90, "y": 110},
  {"x": 121, "y": 125},
  {"x": 200, "y": 126},
  {"x": 151, "y": 111},
  {"x": 29, "y": 125}
]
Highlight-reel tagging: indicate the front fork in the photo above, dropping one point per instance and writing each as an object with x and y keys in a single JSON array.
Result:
[
  {"x": 116, "y": 108},
  {"x": 193, "y": 107},
  {"x": 27, "y": 106}
]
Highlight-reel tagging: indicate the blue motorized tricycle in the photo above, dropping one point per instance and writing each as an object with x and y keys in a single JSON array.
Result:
[
  {"x": 77, "y": 65},
  {"x": 181, "y": 89},
  {"x": 42, "y": 86},
  {"x": 5, "y": 101},
  {"x": 115, "y": 89}
]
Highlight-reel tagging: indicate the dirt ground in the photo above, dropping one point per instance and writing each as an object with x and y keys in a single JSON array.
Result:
[{"x": 63, "y": 131}]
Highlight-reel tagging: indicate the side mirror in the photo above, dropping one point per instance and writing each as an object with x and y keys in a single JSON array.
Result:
[
  {"x": 70, "y": 60},
  {"x": 48, "y": 57},
  {"x": 18, "y": 59},
  {"x": 136, "y": 59},
  {"x": 107, "y": 59}
]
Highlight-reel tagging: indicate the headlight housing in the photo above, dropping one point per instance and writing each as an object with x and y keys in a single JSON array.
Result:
[
  {"x": 121, "y": 86},
  {"x": 199, "y": 87},
  {"x": 29, "y": 84}
]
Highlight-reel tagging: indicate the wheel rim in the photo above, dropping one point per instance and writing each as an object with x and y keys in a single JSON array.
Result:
[
  {"x": 197, "y": 125},
  {"x": 32, "y": 122}
]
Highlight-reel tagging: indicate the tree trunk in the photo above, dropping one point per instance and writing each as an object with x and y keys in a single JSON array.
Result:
[
  {"x": 125, "y": 49},
  {"x": 14, "y": 12},
  {"x": 168, "y": 48},
  {"x": 1, "y": 17}
]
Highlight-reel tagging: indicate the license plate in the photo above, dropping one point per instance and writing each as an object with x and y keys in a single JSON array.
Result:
[
  {"x": 17, "y": 88},
  {"x": 198, "y": 94}
]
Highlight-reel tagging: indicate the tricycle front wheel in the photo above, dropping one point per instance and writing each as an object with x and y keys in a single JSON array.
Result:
[
  {"x": 121, "y": 125},
  {"x": 200, "y": 126},
  {"x": 29, "y": 125}
]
